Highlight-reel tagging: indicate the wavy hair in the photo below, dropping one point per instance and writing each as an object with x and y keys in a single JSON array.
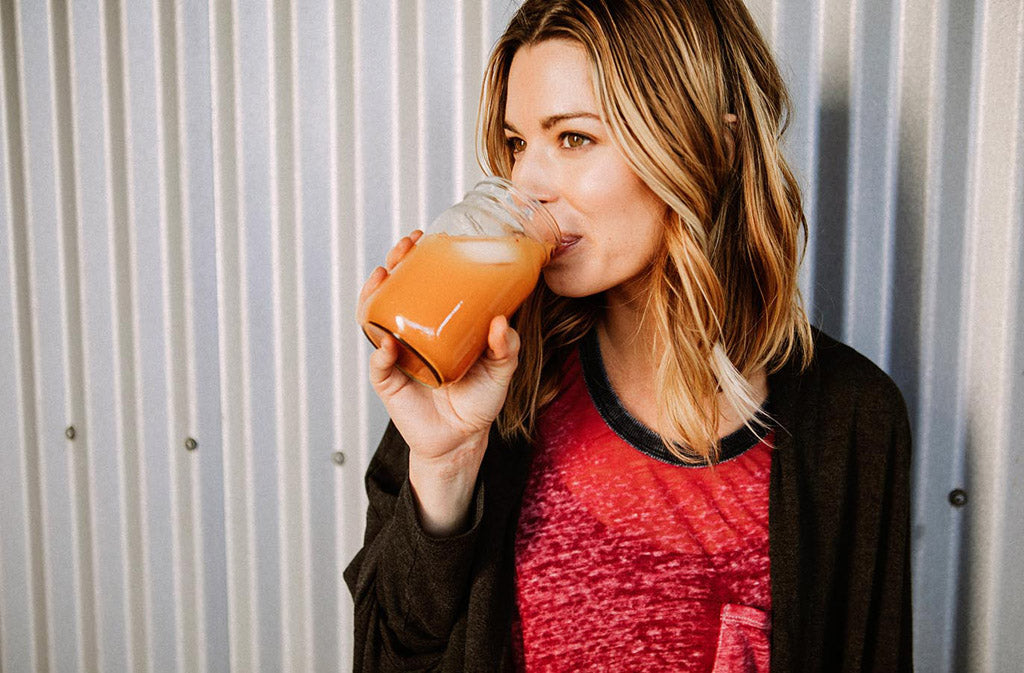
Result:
[{"x": 722, "y": 294}]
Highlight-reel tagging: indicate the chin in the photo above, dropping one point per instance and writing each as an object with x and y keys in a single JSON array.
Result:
[{"x": 565, "y": 285}]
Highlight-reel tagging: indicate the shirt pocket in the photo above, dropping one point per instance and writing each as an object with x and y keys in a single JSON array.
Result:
[{"x": 744, "y": 640}]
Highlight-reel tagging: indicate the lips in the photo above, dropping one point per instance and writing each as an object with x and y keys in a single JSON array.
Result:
[{"x": 568, "y": 241}]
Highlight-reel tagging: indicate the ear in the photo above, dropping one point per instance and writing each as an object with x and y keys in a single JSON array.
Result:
[{"x": 731, "y": 121}]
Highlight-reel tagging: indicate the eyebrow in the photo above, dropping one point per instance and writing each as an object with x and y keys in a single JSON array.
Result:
[{"x": 548, "y": 122}]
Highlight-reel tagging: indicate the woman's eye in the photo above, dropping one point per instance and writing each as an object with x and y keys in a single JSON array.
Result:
[
  {"x": 516, "y": 145},
  {"x": 574, "y": 140}
]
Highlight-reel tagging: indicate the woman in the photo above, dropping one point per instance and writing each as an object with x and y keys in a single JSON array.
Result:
[{"x": 659, "y": 465}]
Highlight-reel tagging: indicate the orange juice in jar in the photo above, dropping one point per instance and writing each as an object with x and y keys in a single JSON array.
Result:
[{"x": 480, "y": 259}]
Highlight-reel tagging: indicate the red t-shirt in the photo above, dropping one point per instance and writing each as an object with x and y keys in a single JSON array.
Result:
[{"x": 627, "y": 560}]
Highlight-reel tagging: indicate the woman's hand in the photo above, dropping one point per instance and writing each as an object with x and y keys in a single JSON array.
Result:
[{"x": 446, "y": 428}]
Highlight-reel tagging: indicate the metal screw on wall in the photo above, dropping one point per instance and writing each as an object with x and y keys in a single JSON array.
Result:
[
  {"x": 70, "y": 432},
  {"x": 191, "y": 444},
  {"x": 958, "y": 497},
  {"x": 338, "y": 458}
]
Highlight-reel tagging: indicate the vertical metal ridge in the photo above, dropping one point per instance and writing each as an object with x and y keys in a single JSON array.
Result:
[
  {"x": 930, "y": 252},
  {"x": 359, "y": 220},
  {"x": 13, "y": 569},
  {"x": 990, "y": 341},
  {"x": 830, "y": 178},
  {"x": 486, "y": 16},
  {"x": 283, "y": 389},
  {"x": 114, "y": 629},
  {"x": 931, "y": 266},
  {"x": 344, "y": 625},
  {"x": 149, "y": 578},
  {"x": 472, "y": 55},
  {"x": 913, "y": 138},
  {"x": 458, "y": 132},
  {"x": 19, "y": 196},
  {"x": 1008, "y": 612},
  {"x": 421, "y": 118},
  {"x": 802, "y": 133},
  {"x": 40, "y": 122},
  {"x": 394, "y": 83},
  {"x": 90, "y": 439},
  {"x": 976, "y": 338},
  {"x": 954, "y": 546},
  {"x": 74, "y": 337},
  {"x": 487, "y": 41},
  {"x": 892, "y": 147},
  {"x": 253, "y": 598},
  {"x": 231, "y": 333},
  {"x": 305, "y": 579},
  {"x": 921, "y": 175},
  {"x": 172, "y": 217},
  {"x": 187, "y": 413},
  {"x": 813, "y": 143},
  {"x": 773, "y": 24},
  {"x": 36, "y": 291},
  {"x": 145, "y": 585},
  {"x": 124, "y": 293},
  {"x": 205, "y": 419},
  {"x": 344, "y": 286},
  {"x": 247, "y": 375},
  {"x": 311, "y": 66},
  {"x": 405, "y": 98},
  {"x": 853, "y": 174},
  {"x": 287, "y": 299},
  {"x": 957, "y": 121}
]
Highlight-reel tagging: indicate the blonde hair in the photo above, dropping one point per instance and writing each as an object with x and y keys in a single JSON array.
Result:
[{"x": 722, "y": 294}]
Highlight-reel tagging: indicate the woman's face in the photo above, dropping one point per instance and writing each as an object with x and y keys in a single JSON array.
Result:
[{"x": 564, "y": 155}]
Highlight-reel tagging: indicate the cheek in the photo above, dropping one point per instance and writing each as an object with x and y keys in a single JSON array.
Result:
[
  {"x": 608, "y": 188},
  {"x": 601, "y": 189},
  {"x": 633, "y": 216}
]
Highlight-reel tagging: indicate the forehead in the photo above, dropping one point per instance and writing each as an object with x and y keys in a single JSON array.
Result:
[{"x": 549, "y": 78}]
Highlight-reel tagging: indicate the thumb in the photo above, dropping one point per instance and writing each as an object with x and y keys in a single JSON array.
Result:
[{"x": 502, "y": 346}]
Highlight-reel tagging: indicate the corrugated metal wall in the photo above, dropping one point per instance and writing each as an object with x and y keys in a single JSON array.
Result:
[{"x": 192, "y": 193}]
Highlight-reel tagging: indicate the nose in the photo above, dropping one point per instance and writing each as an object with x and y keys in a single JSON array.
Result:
[{"x": 532, "y": 173}]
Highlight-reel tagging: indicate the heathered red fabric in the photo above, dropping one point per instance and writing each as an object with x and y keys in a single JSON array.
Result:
[{"x": 626, "y": 563}]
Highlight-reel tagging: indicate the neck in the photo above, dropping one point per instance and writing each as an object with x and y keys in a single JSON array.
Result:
[
  {"x": 629, "y": 339},
  {"x": 631, "y": 354}
]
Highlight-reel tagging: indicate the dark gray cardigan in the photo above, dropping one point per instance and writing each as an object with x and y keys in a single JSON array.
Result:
[{"x": 839, "y": 521}]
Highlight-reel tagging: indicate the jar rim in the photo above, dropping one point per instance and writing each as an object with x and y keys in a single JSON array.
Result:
[{"x": 522, "y": 199}]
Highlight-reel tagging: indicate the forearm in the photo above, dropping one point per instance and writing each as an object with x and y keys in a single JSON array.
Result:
[
  {"x": 408, "y": 587},
  {"x": 443, "y": 487}
]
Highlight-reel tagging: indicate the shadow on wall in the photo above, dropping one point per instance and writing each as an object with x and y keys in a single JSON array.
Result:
[
  {"x": 829, "y": 227},
  {"x": 924, "y": 313}
]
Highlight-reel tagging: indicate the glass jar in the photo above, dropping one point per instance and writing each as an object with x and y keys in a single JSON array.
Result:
[{"x": 479, "y": 259}]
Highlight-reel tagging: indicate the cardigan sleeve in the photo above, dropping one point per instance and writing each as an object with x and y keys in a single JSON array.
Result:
[
  {"x": 409, "y": 588},
  {"x": 869, "y": 628},
  {"x": 840, "y": 518},
  {"x": 888, "y": 642}
]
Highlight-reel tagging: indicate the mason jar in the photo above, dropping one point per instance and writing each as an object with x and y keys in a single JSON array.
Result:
[{"x": 481, "y": 258}]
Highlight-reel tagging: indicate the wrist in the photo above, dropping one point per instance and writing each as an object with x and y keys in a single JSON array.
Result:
[{"x": 443, "y": 487}]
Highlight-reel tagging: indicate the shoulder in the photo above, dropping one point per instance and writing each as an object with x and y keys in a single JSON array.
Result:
[
  {"x": 841, "y": 396},
  {"x": 842, "y": 375}
]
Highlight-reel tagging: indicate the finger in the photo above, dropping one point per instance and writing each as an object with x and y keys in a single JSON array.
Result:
[
  {"x": 372, "y": 283},
  {"x": 383, "y": 372},
  {"x": 502, "y": 341},
  {"x": 400, "y": 250}
]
